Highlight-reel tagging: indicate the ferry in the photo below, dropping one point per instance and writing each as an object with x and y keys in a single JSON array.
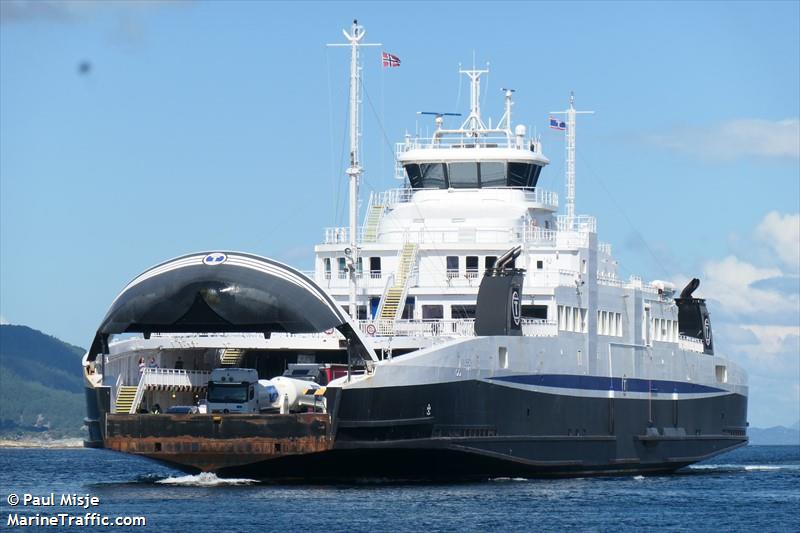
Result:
[{"x": 465, "y": 329}]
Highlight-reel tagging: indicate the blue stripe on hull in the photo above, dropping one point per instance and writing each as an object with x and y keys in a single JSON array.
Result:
[{"x": 601, "y": 383}]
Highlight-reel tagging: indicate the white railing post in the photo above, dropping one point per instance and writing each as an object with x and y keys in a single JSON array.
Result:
[
  {"x": 140, "y": 388},
  {"x": 115, "y": 394}
]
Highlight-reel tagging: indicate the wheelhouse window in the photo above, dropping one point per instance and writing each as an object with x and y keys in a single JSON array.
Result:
[
  {"x": 489, "y": 261},
  {"x": 493, "y": 174},
  {"x": 426, "y": 175},
  {"x": 518, "y": 174},
  {"x": 327, "y": 265},
  {"x": 472, "y": 175},
  {"x": 342, "y": 267},
  {"x": 463, "y": 175}
]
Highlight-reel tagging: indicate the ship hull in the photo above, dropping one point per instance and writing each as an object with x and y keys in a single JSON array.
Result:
[{"x": 470, "y": 429}]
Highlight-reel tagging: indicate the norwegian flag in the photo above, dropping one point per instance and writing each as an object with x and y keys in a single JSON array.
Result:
[{"x": 390, "y": 60}]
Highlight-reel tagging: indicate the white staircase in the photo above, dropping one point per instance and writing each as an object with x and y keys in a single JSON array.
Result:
[
  {"x": 394, "y": 295},
  {"x": 373, "y": 220}
]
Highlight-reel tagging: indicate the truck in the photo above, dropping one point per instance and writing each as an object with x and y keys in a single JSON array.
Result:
[{"x": 239, "y": 390}]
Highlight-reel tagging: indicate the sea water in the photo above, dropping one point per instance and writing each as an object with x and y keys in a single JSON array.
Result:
[{"x": 753, "y": 488}]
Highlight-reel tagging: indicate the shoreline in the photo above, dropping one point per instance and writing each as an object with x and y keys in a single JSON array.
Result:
[{"x": 42, "y": 443}]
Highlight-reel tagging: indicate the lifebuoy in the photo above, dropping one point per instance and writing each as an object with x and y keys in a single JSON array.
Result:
[{"x": 371, "y": 329}]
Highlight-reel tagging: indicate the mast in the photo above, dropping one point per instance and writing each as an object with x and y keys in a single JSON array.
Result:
[
  {"x": 473, "y": 123},
  {"x": 355, "y": 170},
  {"x": 570, "y": 166}
]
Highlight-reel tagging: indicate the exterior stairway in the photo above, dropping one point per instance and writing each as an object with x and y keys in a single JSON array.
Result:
[
  {"x": 232, "y": 357},
  {"x": 395, "y": 295},
  {"x": 373, "y": 221},
  {"x": 125, "y": 398}
]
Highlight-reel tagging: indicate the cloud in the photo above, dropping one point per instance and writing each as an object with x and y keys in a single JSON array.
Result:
[
  {"x": 785, "y": 284},
  {"x": 736, "y": 138},
  {"x": 782, "y": 234},
  {"x": 755, "y": 305},
  {"x": 19, "y": 11},
  {"x": 24, "y": 11},
  {"x": 734, "y": 283},
  {"x": 768, "y": 293}
]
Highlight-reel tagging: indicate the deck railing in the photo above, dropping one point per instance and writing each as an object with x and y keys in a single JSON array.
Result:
[
  {"x": 168, "y": 378},
  {"x": 455, "y": 327}
]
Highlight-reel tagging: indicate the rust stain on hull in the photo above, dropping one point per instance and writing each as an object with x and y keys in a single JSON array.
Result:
[{"x": 211, "y": 442}]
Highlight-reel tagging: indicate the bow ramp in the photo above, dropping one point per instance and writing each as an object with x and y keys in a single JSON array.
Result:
[{"x": 225, "y": 292}]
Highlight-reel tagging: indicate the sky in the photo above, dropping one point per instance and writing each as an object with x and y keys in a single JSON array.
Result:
[{"x": 134, "y": 132}]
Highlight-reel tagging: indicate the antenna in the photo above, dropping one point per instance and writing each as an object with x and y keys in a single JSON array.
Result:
[
  {"x": 474, "y": 121},
  {"x": 507, "y": 115},
  {"x": 439, "y": 117},
  {"x": 570, "y": 170},
  {"x": 355, "y": 170}
]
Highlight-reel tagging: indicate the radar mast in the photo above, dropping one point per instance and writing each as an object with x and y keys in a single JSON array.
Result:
[
  {"x": 570, "y": 166},
  {"x": 355, "y": 170}
]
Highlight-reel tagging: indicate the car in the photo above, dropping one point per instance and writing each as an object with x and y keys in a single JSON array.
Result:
[{"x": 181, "y": 410}]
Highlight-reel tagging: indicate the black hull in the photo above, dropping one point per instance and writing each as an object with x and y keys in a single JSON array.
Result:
[
  {"x": 450, "y": 431},
  {"x": 440, "y": 461}
]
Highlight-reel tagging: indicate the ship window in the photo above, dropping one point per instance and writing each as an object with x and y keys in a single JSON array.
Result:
[
  {"x": 539, "y": 265},
  {"x": 493, "y": 174},
  {"x": 472, "y": 266},
  {"x": 327, "y": 265},
  {"x": 502, "y": 356},
  {"x": 518, "y": 174},
  {"x": 535, "y": 171},
  {"x": 462, "y": 311},
  {"x": 342, "y": 268},
  {"x": 489, "y": 261},
  {"x": 722, "y": 373},
  {"x": 452, "y": 266},
  {"x": 408, "y": 309},
  {"x": 375, "y": 267},
  {"x": 431, "y": 312},
  {"x": 426, "y": 175},
  {"x": 538, "y": 312},
  {"x": 463, "y": 175}
]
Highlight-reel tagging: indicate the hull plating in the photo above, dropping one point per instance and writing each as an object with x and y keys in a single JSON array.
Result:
[{"x": 464, "y": 430}]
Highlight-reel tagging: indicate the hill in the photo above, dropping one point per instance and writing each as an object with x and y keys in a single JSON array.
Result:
[
  {"x": 41, "y": 386},
  {"x": 774, "y": 435}
]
